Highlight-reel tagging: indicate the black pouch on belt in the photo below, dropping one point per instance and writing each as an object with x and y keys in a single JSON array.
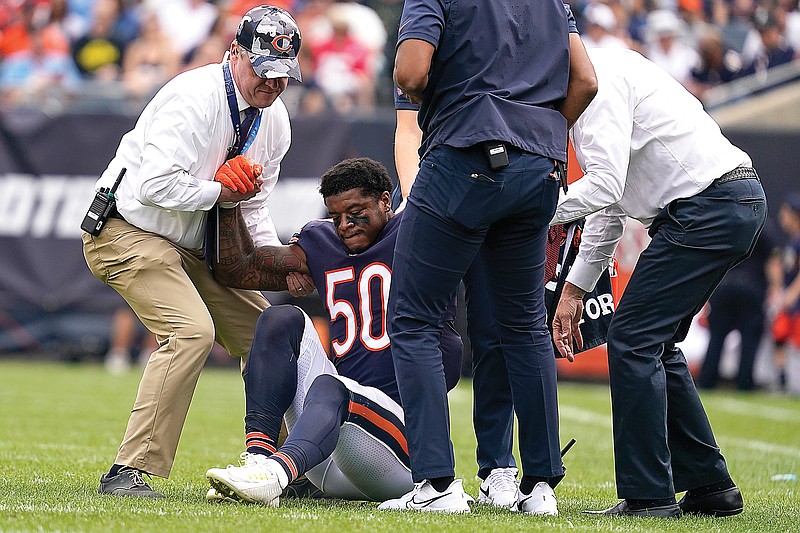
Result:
[{"x": 496, "y": 153}]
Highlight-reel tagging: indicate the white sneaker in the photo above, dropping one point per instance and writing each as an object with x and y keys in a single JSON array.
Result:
[
  {"x": 541, "y": 501},
  {"x": 116, "y": 362},
  {"x": 423, "y": 497},
  {"x": 499, "y": 488},
  {"x": 253, "y": 482}
]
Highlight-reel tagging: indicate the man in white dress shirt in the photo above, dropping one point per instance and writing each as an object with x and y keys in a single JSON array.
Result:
[
  {"x": 650, "y": 152},
  {"x": 207, "y": 128}
]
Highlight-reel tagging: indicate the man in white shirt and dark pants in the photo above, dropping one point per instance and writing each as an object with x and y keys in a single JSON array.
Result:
[
  {"x": 204, "y": 134},
  {"x": 650, "y": 152}
]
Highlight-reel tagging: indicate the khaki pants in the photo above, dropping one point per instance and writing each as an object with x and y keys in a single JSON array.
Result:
[{"x": 173, "y": 293}]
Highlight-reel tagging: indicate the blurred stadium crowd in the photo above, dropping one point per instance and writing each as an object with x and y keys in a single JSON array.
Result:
[
  {"x": 54, "y": 53},
  {"x": 111, "y": 56}
]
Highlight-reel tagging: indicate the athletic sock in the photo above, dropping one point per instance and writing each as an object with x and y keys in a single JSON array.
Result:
[
  {"x": 314, "y": 436},
  {"x": 270, "y": 374},
  {"x": 441, "y": 483},
  {"x": 259, "y": 442},
  {"x": 286, "y": 468},
  {"x": 114, "y": 470}
]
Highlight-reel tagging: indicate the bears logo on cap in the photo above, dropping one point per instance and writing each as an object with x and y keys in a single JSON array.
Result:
[{"x": 272, "y": 40}]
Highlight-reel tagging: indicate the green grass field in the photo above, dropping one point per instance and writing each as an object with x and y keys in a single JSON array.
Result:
[{"x": 60, "y": 426}]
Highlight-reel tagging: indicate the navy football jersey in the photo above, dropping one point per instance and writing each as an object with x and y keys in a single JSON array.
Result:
[{"x": 355, "y": 291}]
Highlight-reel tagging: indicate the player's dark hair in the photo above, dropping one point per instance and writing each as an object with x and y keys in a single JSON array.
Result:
[{"x": 358, "y": 173}]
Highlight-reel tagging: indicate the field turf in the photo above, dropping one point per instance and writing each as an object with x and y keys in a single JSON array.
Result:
[{"x": 60, "y": 426}]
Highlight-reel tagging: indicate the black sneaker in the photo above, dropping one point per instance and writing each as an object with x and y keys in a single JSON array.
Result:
[
  {"x": 302, "y": 488},
  {"x": 128, "y": 482}
]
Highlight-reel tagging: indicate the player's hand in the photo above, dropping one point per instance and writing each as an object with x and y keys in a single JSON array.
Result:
[
  {"x": 299, "y": 284},
  {"x": 565, "y": 322},
  {"x": 227, "y": 195},
  {"x": 238, "y": 174}
]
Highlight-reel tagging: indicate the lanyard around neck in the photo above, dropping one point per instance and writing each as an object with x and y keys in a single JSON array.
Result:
[{"x": 240, "y": 142}]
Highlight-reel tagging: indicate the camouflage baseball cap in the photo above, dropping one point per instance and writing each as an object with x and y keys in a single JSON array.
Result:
[{"x": 272, "y": 40}]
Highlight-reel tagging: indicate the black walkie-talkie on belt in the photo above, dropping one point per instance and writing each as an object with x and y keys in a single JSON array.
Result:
[{"x": 102, "y": 206}]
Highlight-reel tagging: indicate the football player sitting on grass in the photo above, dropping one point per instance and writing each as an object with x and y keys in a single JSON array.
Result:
[{"x": 345, "y": 421}]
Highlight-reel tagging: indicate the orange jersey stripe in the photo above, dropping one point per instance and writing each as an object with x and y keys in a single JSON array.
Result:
[{"x": 381, "y": 422}]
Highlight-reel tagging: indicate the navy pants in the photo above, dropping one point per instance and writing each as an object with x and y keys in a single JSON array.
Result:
[
  {"x": 457, "y": 205},
  {"x": 663, "y": 441},
  {"x": 492, "y": 406},
  {"x": 492, "y": 403}
]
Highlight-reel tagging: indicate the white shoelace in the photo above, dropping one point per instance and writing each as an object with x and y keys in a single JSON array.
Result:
[
  {"x": 251, "y": 459},
  {"x": 136, "y": 477},
  {"x": 503, "y": 479}
]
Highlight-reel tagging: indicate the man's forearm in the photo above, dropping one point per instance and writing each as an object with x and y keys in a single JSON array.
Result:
[
  {"x": 411, "y": 67},
  {"x": 573, "y": 291},
  {"x": 242, "y": 265},
  {"x": 407, "y": 138}
]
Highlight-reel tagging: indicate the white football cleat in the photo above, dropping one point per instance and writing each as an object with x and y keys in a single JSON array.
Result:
[
  {"x": 213, "y": 496},
  {"x": 423, "y": 497},
  {"x": 499, "y": 488},
  {"x": 541, "y": 501},
  {"x": 253, "y": 482}
]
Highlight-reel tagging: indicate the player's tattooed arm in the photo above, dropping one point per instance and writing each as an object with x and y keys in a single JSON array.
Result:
[{"x": 242, "y": 265}]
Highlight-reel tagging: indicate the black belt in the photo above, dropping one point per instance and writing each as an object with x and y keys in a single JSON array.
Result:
[
  {"x": 738, "y": 173},
  {"x": 115, "y": 214}
]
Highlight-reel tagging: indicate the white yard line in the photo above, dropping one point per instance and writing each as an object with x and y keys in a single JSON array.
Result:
[
  {"x": 761, "y": 446},
  {"x": 739, "y": 407},
  {"x": 602, "y": 420},
  {"x": 584, "y": 416}
]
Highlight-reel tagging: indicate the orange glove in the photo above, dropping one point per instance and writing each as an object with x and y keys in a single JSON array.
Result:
[{"x": 238, "y": 174}]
